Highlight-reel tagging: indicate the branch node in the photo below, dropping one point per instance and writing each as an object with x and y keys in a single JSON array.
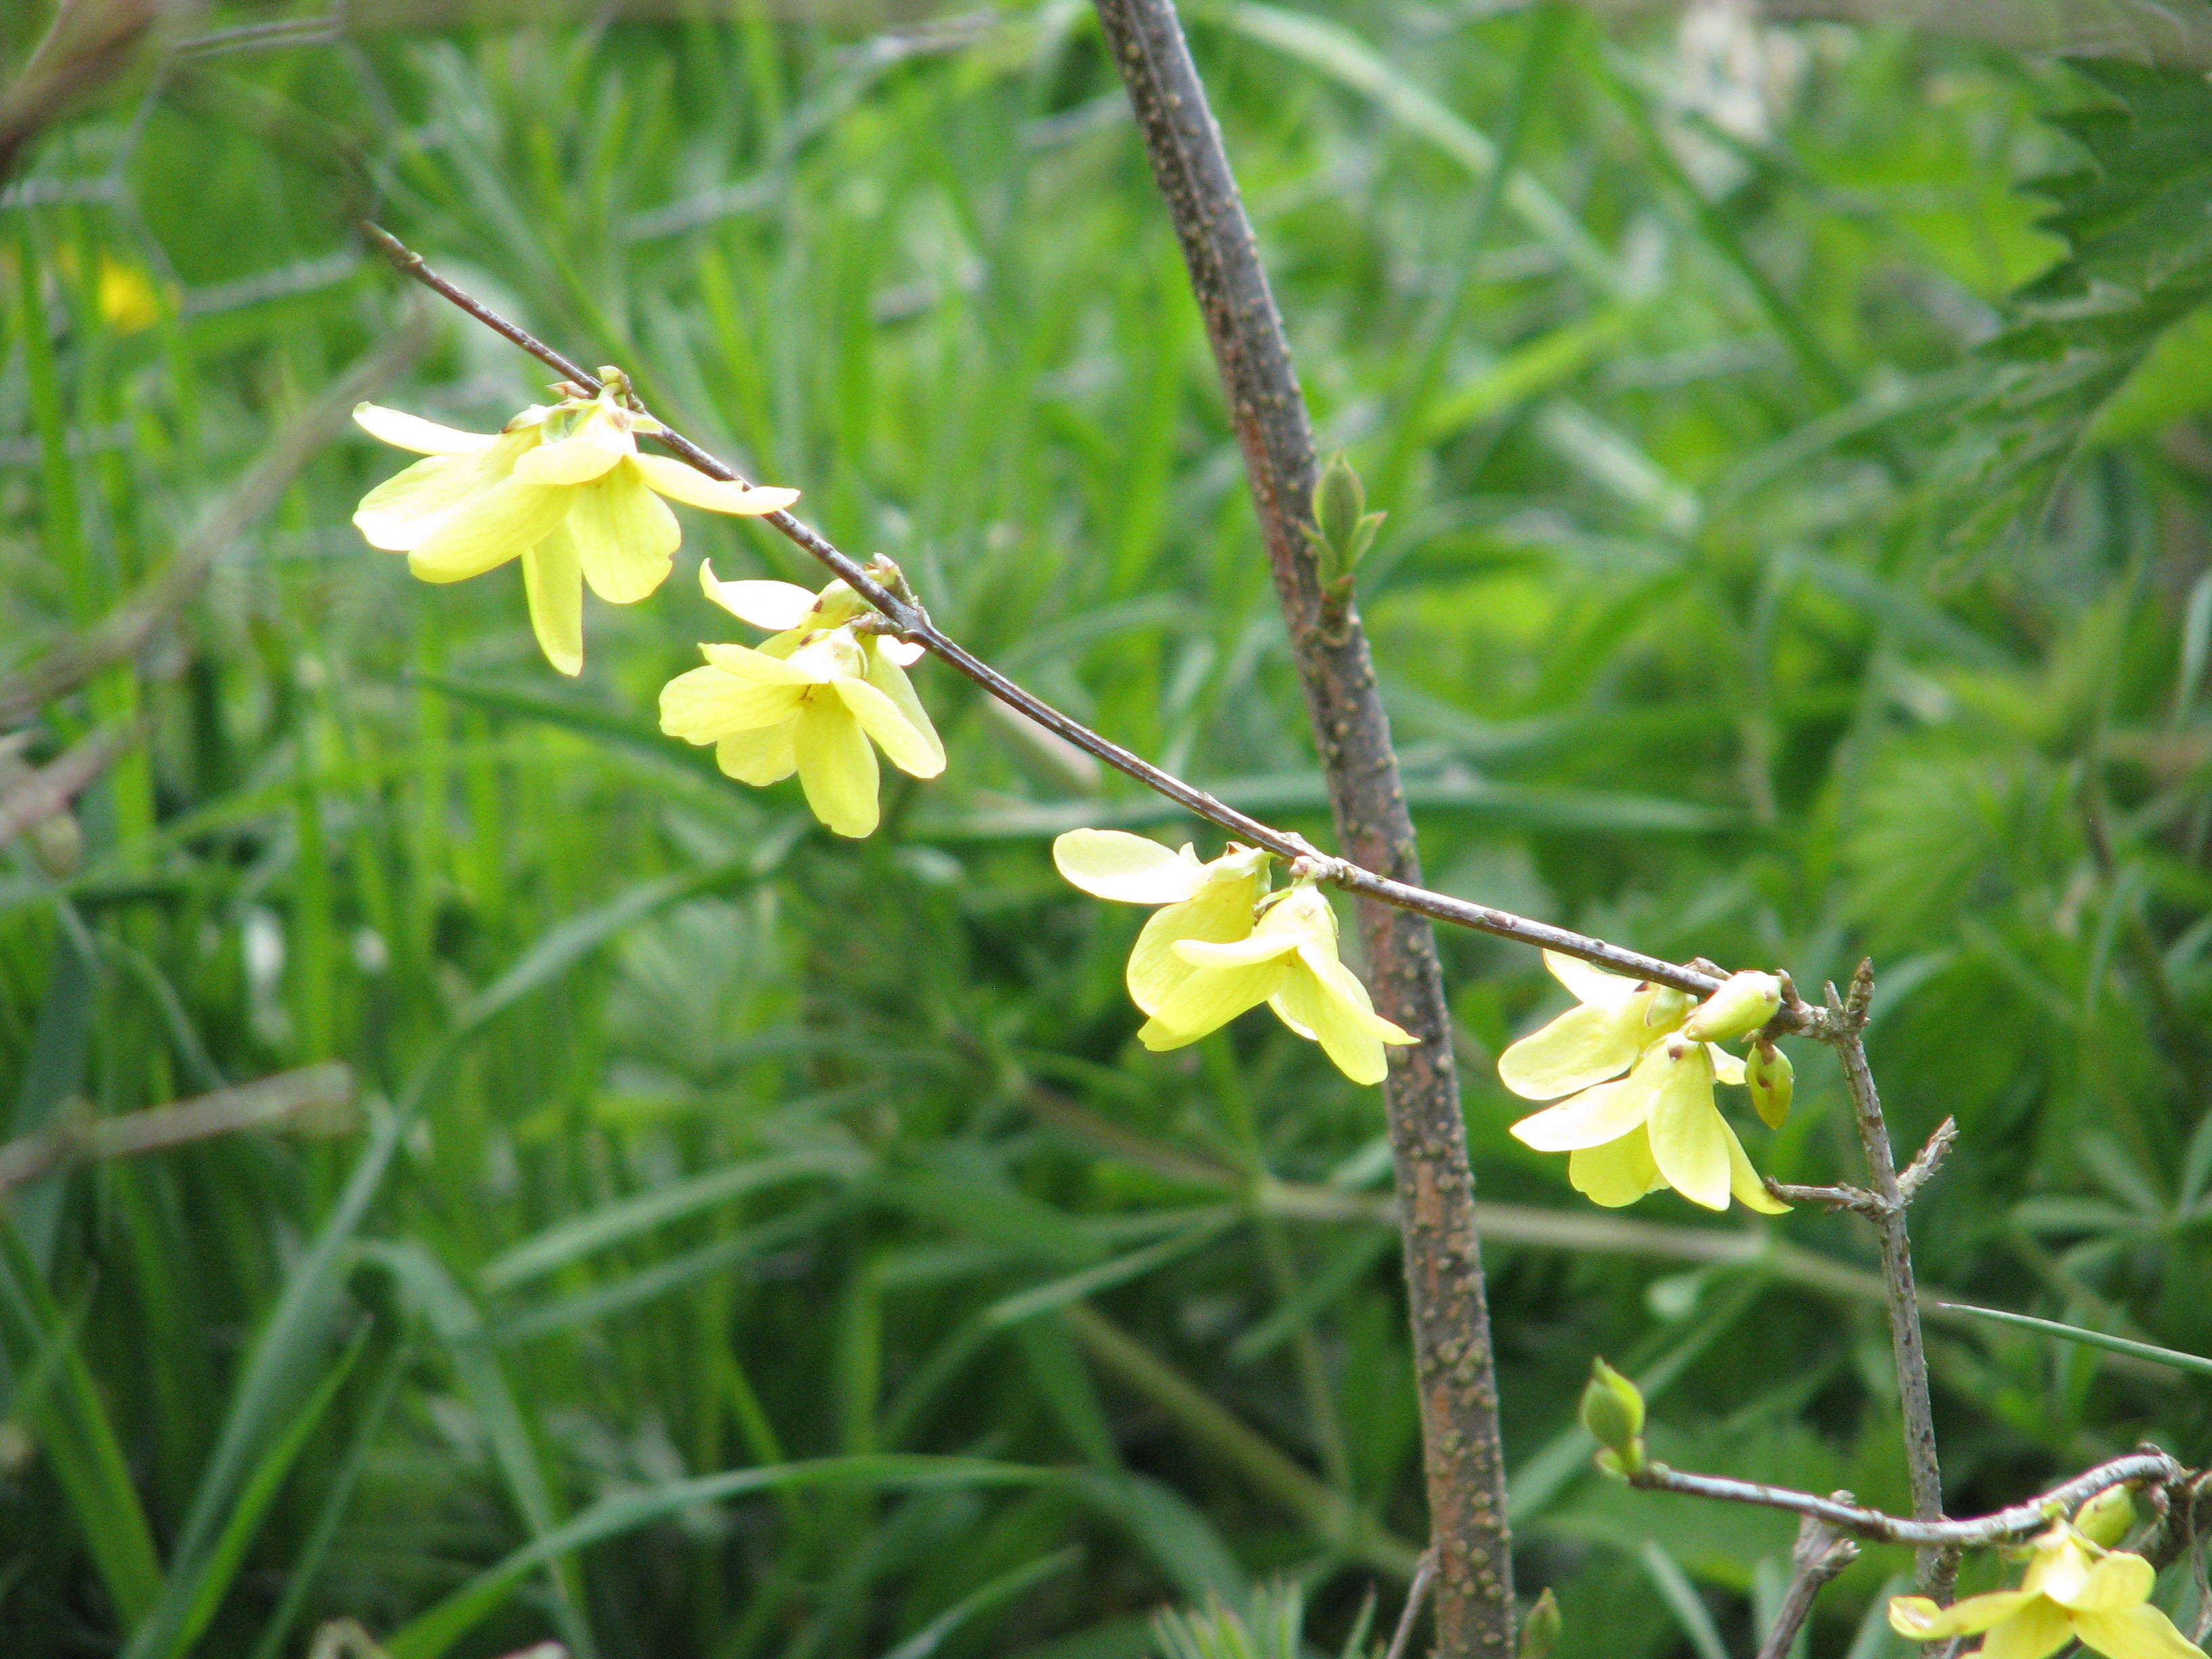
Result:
[{"x": 1918, "y": 1173}]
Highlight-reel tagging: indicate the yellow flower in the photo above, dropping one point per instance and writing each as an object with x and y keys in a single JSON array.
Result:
[
  {"x": 1214, "y": 904},
  {"x": 807, "y": 702},
  {"x": 2073, "y": 1591},
  {"x": 1289, "y": 962},
  {"x": 1615, "y": 1020},
  {"x": 563, "y": 488},
  {"x": 1657, "y": 1126}
]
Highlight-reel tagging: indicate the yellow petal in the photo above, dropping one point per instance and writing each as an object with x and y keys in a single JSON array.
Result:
[
  {"x": 692, "y": 488},
  {"x": 399, "y": 512},
  {"x": 836, "y": 767},
  {"x": 1207, "y": 1000},
  {"x": 2060, "y": 1566},
  {"x": 1921, "y": 1620},
  {"x": 1588, "y": 982},
  {"x": 775, "y": 606},
  {"x": 2118, "y": 1581},
  {"x": 554, "y": 582},
  {"x": 486, "y": 530},
  {"x": 748, "y": 664},
  {"x": 1111, "y": 864},
  {"x": 1347, "y": 1034},
  {"x": 708, "y": 705},
  {"x": 759, "y": 757},
  {"x": 404, "y": 431},
  {"x": 885, "y": 674},
  {"x": 1727, "y": 1067},
  {"x": 1343, "y": 986},
  {"x": 1618, "y": 1173},
  {"x": 1592, "y": 1118},
  {"x": 1688, "y": 1138},
  {"x": 2038, "y": 1629},
  {"x": 590, "y": 451},
  {"x": 1744, "y": 1183},
  {"x": 883, "y": 721},
  {"x": 1585, "y": 1045},
  {"x": 1239, "y": 953},
  {"x": 626, "y": 535},
  {"x": 1221, "y": 911},
  {"x": 2140, "y": 1631}
]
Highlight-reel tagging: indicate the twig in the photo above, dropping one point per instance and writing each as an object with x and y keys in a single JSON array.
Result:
[
  {"x": 1424, "y": 1575},
  {"x": 49, "y": 790},
  {"x": 2000, "y": 1527},
  {"x": 314, "y": 1099},
  {"x": 1918, "y": 1173},
  {"x": 1463, "y": 1455},
  {"x": 1847, "y": 1017},
  {"x": 911, "y": 622},
  {"x": 1819, "y": 1554}
]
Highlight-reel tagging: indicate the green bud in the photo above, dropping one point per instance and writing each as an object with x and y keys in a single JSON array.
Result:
[
  {"x": 1343, "y": 527},
  {"x": 1339, "y": 502},
  {"x": 2106, "y": 1518},
  {"x": 1540, "y": 1630},
  {"x": 1745, "y": 1002},
  {"x": 1613, "y": 1411},
  {"x": 1772, "y": 1079}
]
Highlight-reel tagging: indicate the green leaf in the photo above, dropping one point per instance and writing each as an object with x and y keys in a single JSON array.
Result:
[{"x": 2151, "y": 1350}]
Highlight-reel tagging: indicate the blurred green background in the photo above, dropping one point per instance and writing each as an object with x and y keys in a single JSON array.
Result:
[{"x": 688, "y": 1142}]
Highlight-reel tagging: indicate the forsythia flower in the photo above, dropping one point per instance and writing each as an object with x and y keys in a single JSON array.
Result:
[
  {"x": 1289, "y": 962},
  {"x": 808, "y": 701},
  {"x": 1658, "y": 1125},
  {"x": 1220, "y": 946},
  {"x": 2073, "y": 1591},
  {"x": 1213, "y": 904},
  {"x": 563, "y": 488}
]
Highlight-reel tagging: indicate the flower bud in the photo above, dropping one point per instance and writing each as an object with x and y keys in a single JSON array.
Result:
[
  {"x": 2106, "y": 1518},
  {"x": 1745, "y": 1002},
  {"x": 1767, "y": 1070},
  {"x": 1343, "y": 527},
  {"x": 1540, "y": 1630},
  {"x": 1613, "y": 1412}
]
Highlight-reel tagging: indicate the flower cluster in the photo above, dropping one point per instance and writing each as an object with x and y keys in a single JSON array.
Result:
[
  {"x": 1221, "y": 944},
  {"x": 2075, "y": 1590},
  {"x": 809, "y": 699},
  {"x": 563, "y": 488},
  {"x": 1637, "y": 1063}
]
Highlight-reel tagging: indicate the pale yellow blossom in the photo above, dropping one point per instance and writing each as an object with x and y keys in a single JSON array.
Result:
[
  {"x": 1215, "y": 902},
  {"x": 813, "y": 700},
  {"x": 1657, "y": 1126},
  {"x": 1614, "y": 1021},
  {"x": 1289, "y": 962},
  {"x": 2073, "y": 1591},
  {"x": 564, "y": 489}
]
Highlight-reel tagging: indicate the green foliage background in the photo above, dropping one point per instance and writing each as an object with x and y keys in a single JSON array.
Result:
[{"x": 793, "y": 1226}]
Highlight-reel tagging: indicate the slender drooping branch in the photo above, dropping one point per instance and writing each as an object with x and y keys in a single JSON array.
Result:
[
  {"x": 1819, "y": 1554},
  {"x": 909, "y": 621},
  {"x": 1847, "y": 1018},
  {"x": 2005, "y": 1526},
  {"x": 1463, "y": 1456}
]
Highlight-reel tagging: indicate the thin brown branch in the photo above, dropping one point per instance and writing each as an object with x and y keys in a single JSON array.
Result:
[
  {"x": 1417, "y": 1592},
  {"x": 45, "y": 793},
  {"x": 909, "y": 621},
  {"x": 1918, "y": 1173},
  {"x": 1819, "y": 1554},
  {"x": 2004, "y": 1526},
  {"x": 314, "y": 1100},
  {"x": 1847, "y": 1018}
]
